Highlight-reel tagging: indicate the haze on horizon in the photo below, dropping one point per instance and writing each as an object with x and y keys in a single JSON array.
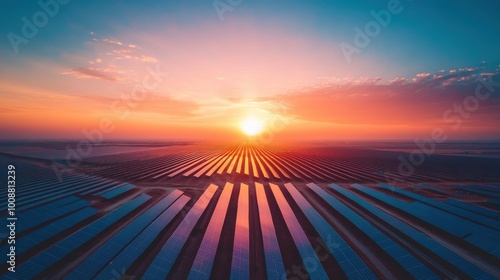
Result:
[{"x": 185, "y": 70}]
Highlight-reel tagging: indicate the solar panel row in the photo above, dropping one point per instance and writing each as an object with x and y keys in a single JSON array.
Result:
[
  {"x": 398, "y": 253},
  {"x": 494, "y": 191},
  {"x": 103, "y": 188},
  {"x": 424, "y": 240},
  {"x": 351, "y": 264},
  {"x": 166, "y": 165},
  {"x": 45, "y": 184},
  {"x": 492, "y": 188},
  {"x": 47, "y": 207},
  {"x": 53, "y": 190},
  {"x": 425, "y": 186},
  {"x": 433, "y": 216},
  {"x": 93, "y": 263},
  {"x": 139, "y": 245},
  {"x": 118, "y": 191},
  {"x": 456, "y": 210},
  {"x": 122, "y": 249},
  {"x": 299, "y": 237},
  {"x": 162, "y": 264},
  {"x": 471, "y": 216},
  {"x": 472, "y": 189},
  {"x": 56, "y": 192},
  {"x": 50, "y": 211},
  {"x": 39, "y": 236},
  {"x": 274, "y": 263},
  {"x": 454, "y": 225},
  {"x": 247, "y": 159},
  {"x": 202, "y": 266},
  {"x": 54, "y": 204},
  {"x": 57, "y": 252},
  {"x": 494, "y": 201},
  {"x": 240, "y": 262},
  {"x": 474, "y": 208}
]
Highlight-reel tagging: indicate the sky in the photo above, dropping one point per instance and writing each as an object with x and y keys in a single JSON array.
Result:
[{"x": 310, "y": 70}]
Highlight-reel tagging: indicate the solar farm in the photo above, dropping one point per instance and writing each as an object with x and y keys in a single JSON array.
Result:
[{"x": 246, "y": 211}]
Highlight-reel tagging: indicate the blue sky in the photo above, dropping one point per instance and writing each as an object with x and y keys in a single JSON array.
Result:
[
  {"x": 253, "y": 58},
  {"x": 426, "y": 36}
]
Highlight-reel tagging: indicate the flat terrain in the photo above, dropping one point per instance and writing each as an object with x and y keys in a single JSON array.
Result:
[{"x": 242, "y": 210}]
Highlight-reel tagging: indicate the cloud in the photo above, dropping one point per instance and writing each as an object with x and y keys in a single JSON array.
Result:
[
  {"x": 107, "y": 74},
  {"x": 326, "y": 81},
  {"x": 109, "y": 41},
  {"x": 117, "y": 61},
  {"x": 118, "y": 50},
  {"x": 132, "y": 54},
  {"x": 418, "y": 102},
  {"x": 442, "y": 78},
  {"x": 421, "y": 77},
  {"x": 455, "y": 77},
  {"x": 398, "y": 81}
]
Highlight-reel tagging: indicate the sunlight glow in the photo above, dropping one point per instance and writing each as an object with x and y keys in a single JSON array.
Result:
[{"x": 252, "y": 126}]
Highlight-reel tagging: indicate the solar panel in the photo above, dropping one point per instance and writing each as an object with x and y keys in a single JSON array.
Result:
[
  {"x": 474, "y": 208},
  {"x": 163, "y": 262},
  {"x": 483, "y": 221},
  {"x": 216, "y": 166},
  {"x": 442, "y": 251},
  {"x": 274, "y": 263},
  {"x": 64, "y": 189},
  {"x": 425, "y": 186},
  {"x": 351, "y": 264},
  {"x": 492, "y": 247},
  {"x": 45, "y": 259},
  {"x": 118, "y": 191},
  {"x": 107, "y": 188},
  {"x": 398, "y": 253},
  {"x": 488, "y": 188},
  {"x": 210, "y": 164},
  {"x": 53, "y": 204},
  {"x": 272, "y": 164},
  {"x": 42, "y": 186},
  {"x": 103, "y": 188},
  {"x": 37, "y": 237},
  {"x": 299, "y": 236},
  {"x": 240, "y": 262},
  {"x": 203, "y": 262},
  {"x": 478, "y": 191},
  {"x": 46, "y": 207},
  {"x": 47, "y": 212},
  {"x": 93, "y": 263},
  {"x": 141, "y": 242},
  {"x": 56, "y": 192},
  {"x": 494, "y": 201},
  {"x": 440, "y": 219},
  {"x": 184, "y": 167}
]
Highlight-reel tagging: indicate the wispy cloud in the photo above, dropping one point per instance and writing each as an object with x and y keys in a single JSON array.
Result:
[
  {"x": 349, "y": 81},
  {"x": 411, "y": 102},
  {"x": 398, "y": 81},
  {"x": 118, "y": 50},
  {"x": 107, "y": 74},
  {"x": 113, "y": 61}
]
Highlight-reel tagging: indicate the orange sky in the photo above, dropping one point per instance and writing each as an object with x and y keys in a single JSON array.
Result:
[{"x": 202, "y": 82}]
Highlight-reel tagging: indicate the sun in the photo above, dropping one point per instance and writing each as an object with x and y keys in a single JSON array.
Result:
[{"x": 252, "y": 126}]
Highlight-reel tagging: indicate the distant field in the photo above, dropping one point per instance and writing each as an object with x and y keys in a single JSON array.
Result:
[{"x": 202, "y": 211}]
